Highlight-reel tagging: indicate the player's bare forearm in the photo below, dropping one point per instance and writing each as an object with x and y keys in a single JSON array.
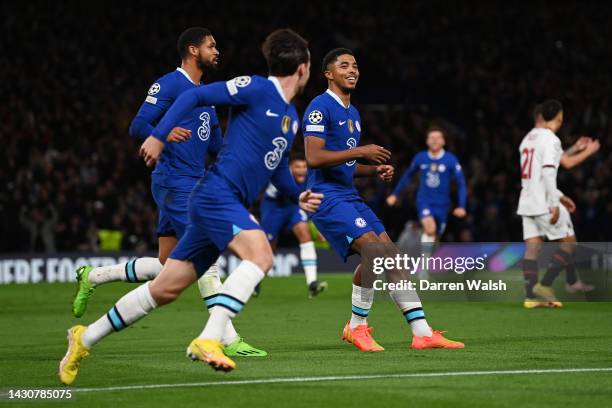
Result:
[
  {"x": 569, "y": 161},
  {"x": 318, "y": 156},
  {"x": 365, "y": 170}
]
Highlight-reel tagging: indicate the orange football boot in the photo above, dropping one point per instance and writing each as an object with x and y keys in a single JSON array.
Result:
[
  {"x": 361, "y": 336},
  {"x": 437, "y": 340}
]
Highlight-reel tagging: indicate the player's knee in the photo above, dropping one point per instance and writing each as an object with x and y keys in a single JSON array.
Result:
[
  {"x": 162, "y": 258},
  {"x": 263, "y": 259}
]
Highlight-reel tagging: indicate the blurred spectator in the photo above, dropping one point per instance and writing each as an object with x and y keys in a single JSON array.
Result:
[{"x": 77, "y": 75}]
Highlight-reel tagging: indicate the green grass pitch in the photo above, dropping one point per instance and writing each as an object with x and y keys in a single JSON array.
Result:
[{"x": 303, "y": 338}]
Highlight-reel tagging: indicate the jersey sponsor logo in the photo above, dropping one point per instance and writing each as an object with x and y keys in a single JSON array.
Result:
[
  {"x": 432, "y": 180},
  {"x": 315, "y": 128},
  {"x": 315, "y": 117},
  {"x": 360, "y": 222},
  {"x": 151, "y": 99},
  {"x": 204, "y": 129},
  {"x": 295, "y": 127},
  {"x": 351, "y": 143},
  {"x": 242, "y": 81},
  {"x": 358, "y": 126},
  {"x": 273, "y": 157},
  {"x": 341, "y": 122},
  {"x": 271, "y": 114},
  {"x": 350, "y": 126},
  {"x": 285, "y": 124},
  {"x": 154, "y": 89}
]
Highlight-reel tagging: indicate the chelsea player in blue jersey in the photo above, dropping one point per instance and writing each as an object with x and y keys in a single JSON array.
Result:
[
  {"x": 263, "y": 126},
  {"x": 179, "y": 168},
  {"x": 279, "y": 213},
  {"x": 438, "y": 168},
  {"x": 332, "y": 129}
]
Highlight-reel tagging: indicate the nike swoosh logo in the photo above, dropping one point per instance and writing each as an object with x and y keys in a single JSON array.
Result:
[
  {"x": 342, "y": 122},
  {"x": 270, "y": 113}
]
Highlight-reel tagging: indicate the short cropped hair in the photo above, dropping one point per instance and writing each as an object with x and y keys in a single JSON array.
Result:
[
  {"x": 191, "y": 36},
  {"x": 284, "y": 50},
  {"x": 548, "y": 109},
  {"x": 332, "y": 56}
]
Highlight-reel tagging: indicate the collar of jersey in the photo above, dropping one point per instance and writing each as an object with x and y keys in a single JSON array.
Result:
[
  {"x": 182, "y": 71},
  {"x": 438, "y": 157},
  {"x": 337, "y": 98},
  {"x": 278, "y": 87}
]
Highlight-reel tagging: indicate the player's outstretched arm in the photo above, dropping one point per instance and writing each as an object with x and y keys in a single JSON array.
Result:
[
  {"x": 579, "y": 152},
  {"x": 318, "y": 156}
]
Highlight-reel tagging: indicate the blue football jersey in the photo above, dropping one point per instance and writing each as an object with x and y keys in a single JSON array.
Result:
[
  {"x": 436, "y": 175},
  {"x": 340, "y": 126},
  {"x": 257, "y": 139},
  {"x": 180, "y": 164}
]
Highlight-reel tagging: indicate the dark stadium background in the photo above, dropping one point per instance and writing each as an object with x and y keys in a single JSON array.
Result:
[{"x": 72, "y": 77}]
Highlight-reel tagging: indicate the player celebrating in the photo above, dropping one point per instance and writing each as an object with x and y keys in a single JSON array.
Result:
[
  {"x": 253, "y": 153},
  {"x": 543, "y": 208},
  {"x": 332, "y": 129},
  {"x": 279, "y": 213},
  {"x": 438, "y": 167},
  {"x": 179, "y": 168}
]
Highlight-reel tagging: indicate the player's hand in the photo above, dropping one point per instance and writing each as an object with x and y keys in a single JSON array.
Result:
[
  {"x": 581, "y": 143},
  {"x": 391, "y": 200},
  {"x": 554, "y": 215},
  {"x": 151, "y": 150},
  {"x": 178, "y": 134},
  {"x": 459, "y": 212},
  {"x": 568, "y": 203},
  {"x": 375, "y": 153},
  {"x": 593, "y": 146},
  {"x": 310, "y": 201},
  {"x": 385, "y": 172}
]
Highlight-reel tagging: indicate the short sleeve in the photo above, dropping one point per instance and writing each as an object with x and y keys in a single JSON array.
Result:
[{"x": 316, "y": 120}]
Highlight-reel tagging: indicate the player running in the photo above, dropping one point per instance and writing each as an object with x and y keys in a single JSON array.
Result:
[
  {"x": 332, "y": 129},
  {"x": 253, "y": 153},
  {"x": 438, "y": 168},
  {"x": 545, "y": 210},
  {"x": 279, "y": 213},
  {"x": 180, "y": 166}
]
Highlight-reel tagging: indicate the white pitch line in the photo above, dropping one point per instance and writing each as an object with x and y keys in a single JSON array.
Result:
[{"x": 281, "y": 380}]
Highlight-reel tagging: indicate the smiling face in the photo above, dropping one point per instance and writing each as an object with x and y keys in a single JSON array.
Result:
[
  {"x": 299, "y": 169},
  {"x": 343, "y": 72}
]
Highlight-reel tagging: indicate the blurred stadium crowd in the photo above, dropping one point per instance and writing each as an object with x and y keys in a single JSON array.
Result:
[{"x": 74, "y": 77}]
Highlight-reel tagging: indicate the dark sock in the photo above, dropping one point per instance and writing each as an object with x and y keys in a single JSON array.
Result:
[
  {"x": 570, "y": 272},
  {"x": 530, "y": 273},
  {"x": 558, "y": 262}
]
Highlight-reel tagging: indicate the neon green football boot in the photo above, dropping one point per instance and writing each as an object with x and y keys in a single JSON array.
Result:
[
  {"x": 240, "y": 348},
  {"x": 84, "y": 291}
]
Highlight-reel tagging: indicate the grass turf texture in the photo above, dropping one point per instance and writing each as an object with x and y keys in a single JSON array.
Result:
[{"x": 303, "y": 338}]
